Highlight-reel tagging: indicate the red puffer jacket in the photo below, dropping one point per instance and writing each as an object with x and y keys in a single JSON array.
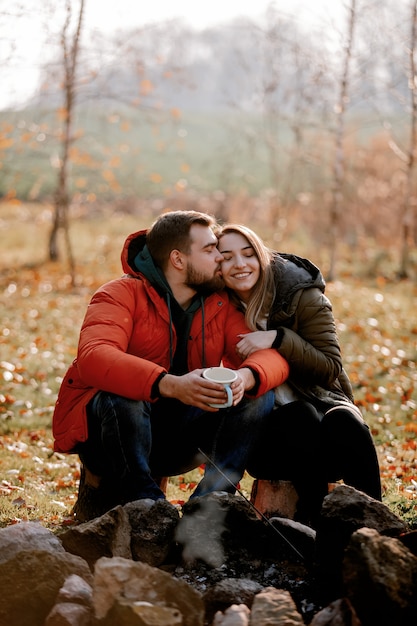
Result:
[{"x": 125, "y": 343}]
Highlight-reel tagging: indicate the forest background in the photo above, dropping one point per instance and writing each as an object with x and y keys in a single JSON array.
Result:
[{"x": 307, "y": 136}]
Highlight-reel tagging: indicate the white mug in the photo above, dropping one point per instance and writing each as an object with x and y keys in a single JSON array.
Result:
[{"x": 224, "y": 376}]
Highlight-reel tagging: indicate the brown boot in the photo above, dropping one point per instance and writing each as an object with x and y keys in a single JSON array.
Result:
[{"x": 94, "y": 498}]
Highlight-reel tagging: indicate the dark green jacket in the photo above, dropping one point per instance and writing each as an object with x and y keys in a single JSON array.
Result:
[{"x": 307, "y": 336}]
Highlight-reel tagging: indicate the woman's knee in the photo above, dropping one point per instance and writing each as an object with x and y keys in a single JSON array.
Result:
[
  {"x": 288, "y": 438},
  {"x": 343, "y": 433},
  {"x": 299, "y": 419},
  {"x": 343, "y": 421}
]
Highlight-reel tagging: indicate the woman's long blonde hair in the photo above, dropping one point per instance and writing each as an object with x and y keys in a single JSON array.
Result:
[{"x": 257, "y": 309}]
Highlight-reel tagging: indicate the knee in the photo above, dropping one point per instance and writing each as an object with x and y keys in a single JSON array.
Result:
[
  {"x": 117, "y": 413},
  {"x": 306, "y": 413},
  {"x": 254, "y": 410},
  {"x": 344, "y": 421},
  {"x": 299, "y": 417}
]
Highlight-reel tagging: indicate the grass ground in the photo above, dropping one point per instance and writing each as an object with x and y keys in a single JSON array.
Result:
[{"x": 41, "y": 314}]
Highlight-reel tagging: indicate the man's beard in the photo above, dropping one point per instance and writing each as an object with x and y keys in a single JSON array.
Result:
[{"x": 200, "y": 283}]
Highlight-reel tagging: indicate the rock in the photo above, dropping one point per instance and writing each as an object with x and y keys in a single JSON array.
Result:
[
  {"x": 301, "y": 537},
  {"x": 217, "y": 527},
  {"x": 125, "y": 613},
  {"x": 253, "y": 570},
  {"x": 351, "y": 509},
  {"x": 344, "y": 511},
  {"x": 26, "y": 536},
  {"x": 235, "y": 615},
  {"x": 74, "y": 604},
  {"x": 338, "y": 613},
  {"x": 153, "y": 526},
  {"x": 30, "y": 582},
  {"x": 108, "y": 535},
  {"x": 230, "y": 591},
  {"x": 274, "y": 606},
  {"x": 76, "y": 590},
  {"x": 69, "y": 614},
  {"x": 380, "y": 579},
  {"x": 123, "y": 582}
]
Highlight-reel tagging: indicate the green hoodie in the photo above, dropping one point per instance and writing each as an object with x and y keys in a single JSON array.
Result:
[{"x": 181, "y": 319}]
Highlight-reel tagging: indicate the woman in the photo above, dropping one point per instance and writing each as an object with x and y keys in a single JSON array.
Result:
[{"x": 316, "y": 434}]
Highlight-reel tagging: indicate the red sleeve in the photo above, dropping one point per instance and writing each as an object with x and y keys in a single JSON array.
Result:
[{"x": 103, "y": 361}]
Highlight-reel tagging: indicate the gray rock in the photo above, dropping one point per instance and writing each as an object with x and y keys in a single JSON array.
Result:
[
  {"x": 231, "y": 591},
  {"x": 351, "y": 509},
  {"x": 26, "y": 536},
  {"x": 380, "y": 579},
  {"x": 30, "y": 582},
  {"x": 123, "y": 582},
  {"x": 108, "y": 535},
  {"x": 344, "y": 511},
  {"x": 125, "y": 613},
  {"x": 274, "y": 606},
  {"x": 234, "y": 615},
  {"x": 44, "y": 584},
  {"x": 75, "y": 589},
  {"x": 301, "y": 537},
  {"x": 153, "y": 526},
  {"x": 69, "y": 614},
  {"x": 338, "y": 613}
]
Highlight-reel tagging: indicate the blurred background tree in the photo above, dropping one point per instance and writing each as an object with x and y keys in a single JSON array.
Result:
[
  {"x": 70, "y": 45},
  {"x": 304, "y": 130}
]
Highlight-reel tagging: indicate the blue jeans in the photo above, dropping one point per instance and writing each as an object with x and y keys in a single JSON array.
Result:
[{"x": 132, "y": 443}]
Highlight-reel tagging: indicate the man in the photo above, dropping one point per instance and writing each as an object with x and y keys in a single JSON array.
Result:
[{"x": 133, "y": 404}]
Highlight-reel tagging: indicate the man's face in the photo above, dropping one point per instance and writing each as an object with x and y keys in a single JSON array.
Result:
[{"x": 203, "y": 262}]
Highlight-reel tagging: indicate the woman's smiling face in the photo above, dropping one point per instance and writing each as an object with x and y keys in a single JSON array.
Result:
[{"x": 240, "y": 265}]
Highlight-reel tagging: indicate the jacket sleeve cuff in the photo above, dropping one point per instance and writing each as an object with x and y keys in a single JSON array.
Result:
[
  {"x": 255, "y": 388},
  {"x": 155, "y": 387},
  {"x": 278, "y": 339}
]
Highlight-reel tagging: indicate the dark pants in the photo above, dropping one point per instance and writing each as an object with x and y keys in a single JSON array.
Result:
[
  {"x": 132, "y": 442},
  {"x": 299, "y": 445},
  {"x": 349, "y": 453}
]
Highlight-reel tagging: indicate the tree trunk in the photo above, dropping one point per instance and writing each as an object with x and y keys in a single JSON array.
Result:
[
  {"x": 339, "y": 165},
  {"x": 62, "y": 197},
  {"x": 407, "y": 223}
]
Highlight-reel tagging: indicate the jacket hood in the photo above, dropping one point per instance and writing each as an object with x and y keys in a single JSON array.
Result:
[
  {"x": 136, "y": 260},
  {"x": 132, "y": 246},
  {"x": 293, "y": 273}
]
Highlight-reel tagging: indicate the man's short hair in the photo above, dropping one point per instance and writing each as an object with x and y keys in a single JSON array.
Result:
[{"x": 171, "y": 231}]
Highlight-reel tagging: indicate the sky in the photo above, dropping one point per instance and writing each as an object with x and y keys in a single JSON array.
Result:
[
  {"x": 19, "y": 72},
  {"x": 199, "y": 13}
]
